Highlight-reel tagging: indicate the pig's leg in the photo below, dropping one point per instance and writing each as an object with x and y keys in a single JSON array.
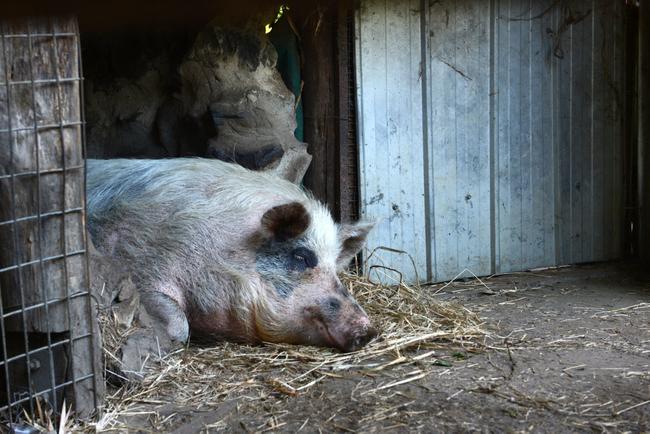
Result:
[{"x": 167, "y": 311}]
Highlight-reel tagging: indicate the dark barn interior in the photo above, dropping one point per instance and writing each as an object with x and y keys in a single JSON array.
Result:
[
  {"x": 274, "y": 86},
  {"x": 144, "y": 100}
]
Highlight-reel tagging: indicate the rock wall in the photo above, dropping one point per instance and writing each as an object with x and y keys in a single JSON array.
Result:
[{"x": 213, "y": 93}]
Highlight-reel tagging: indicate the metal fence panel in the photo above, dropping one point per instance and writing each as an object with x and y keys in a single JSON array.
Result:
[{"x": 47, "y": 323}]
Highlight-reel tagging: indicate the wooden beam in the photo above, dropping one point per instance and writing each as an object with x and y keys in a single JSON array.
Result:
[
  {"x": 329, "y": 103},
  {"x": 44, "y": 282},
  {"x": 317, "y": 27},
  {"x": 644, "y": 131}
]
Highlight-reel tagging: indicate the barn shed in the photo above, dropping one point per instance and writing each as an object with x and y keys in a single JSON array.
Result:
[
  {"x": 499, "y": 136},
  {"x": 500, "y": 148}
]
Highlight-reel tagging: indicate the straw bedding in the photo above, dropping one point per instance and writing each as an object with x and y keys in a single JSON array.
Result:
[{"x": 413, "y": 325}]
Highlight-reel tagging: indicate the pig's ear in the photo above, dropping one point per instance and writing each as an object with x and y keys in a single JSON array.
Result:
[
  {"x": 352, "y": 238},
  {"x": 284, "y": 222}
]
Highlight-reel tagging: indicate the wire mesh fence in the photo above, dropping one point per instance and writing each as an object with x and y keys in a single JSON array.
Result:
[{"x": 48, "y": 348}]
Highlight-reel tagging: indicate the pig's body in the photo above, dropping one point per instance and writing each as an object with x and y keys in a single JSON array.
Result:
[{"x": 227, "y": 252}]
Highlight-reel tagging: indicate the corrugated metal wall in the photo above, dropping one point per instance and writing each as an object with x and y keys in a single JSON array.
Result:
[{"x": 490, "y": 133}]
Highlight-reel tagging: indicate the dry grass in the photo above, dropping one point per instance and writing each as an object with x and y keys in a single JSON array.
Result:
[
  {"x": 114, "y": 335},
  {"x": 229, "y": 386},
  {"x": 414, "y": 325},
  {"x": 45, "y": 420}
]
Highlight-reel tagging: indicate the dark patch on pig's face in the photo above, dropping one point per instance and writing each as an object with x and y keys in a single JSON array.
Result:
[
  {"x": 302, "y": 258},
  {"x": 331, "y": 308},
  {"x": 284, "y": 264}
]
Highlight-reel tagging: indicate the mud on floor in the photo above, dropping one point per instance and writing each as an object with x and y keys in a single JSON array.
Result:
[{"x": 568, "y": 350}]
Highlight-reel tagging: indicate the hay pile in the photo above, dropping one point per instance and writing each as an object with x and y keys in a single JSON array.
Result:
[{"x": 413, "y": 327}]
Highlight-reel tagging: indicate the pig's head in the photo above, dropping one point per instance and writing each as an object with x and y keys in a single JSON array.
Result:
[{"x": 299, "y": 250}]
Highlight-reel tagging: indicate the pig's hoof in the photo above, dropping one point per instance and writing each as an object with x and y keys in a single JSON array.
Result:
[
  {"x": 179, "y": 331},
  {"x": 170, "y": 317}
]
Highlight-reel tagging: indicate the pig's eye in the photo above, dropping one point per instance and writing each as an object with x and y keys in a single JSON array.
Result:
[{"x": 303, "y": 258}]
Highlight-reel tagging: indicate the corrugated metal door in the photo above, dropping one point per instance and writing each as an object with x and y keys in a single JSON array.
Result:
[{"x": 490, "y": 133}]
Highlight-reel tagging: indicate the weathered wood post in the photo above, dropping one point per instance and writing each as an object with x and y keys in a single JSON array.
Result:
[
  {"x": 644, "y": 131},
  {"x": 50, "y": 346}
]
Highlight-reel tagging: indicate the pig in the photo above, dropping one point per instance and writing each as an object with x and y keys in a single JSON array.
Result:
[{"x": 225, "y": 253}]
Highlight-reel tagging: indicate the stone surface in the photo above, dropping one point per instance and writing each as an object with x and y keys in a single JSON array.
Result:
[{"x": 216, "y": 93}]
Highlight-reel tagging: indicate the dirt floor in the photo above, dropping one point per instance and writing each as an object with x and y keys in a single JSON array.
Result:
[{"x": 568, "y": 350}]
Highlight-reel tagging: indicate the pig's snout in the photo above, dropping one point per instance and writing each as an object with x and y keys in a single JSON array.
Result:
[
  {"x": 359, "y": 330},
  {"x": 342, "y": 324},
  {"x": 359, "y": 341}
]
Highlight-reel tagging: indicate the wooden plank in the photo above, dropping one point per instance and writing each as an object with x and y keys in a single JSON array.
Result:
[
  {"x": 417, "y": 166},
  {"x": 536, "y": 136},
  {"x": 443, "y": 150},
  {"x": 472, "y": 135},
  {"x": 29, "y": 197},
  {"x": 347, "y": 193},
  {"x": 318, "y": 98},
  {"x": 524, "y": 142},
  {"x": 542, "y": 173},
  {"x": 565, "y": 145},
  {"x": 460, "y": 42},
  {"x": 460, "y": 141},
  {"x": 392, "y": 184},
  {"x": 405, "y": 188},
  {"x": 328, "y": 101},
  {"x": 480, "y": 158},
  {"x": 586, "y": 94},
  {"x": 618, "y": 77},
  {"x": 497, "y": 93},
  {"x": 644, "y": 131},
  {"x": 508, "y": 168},
  {"x": 47, "y": 246},
  {"x": 473, "y": 128},
  {"x": 600, "y": 106},
  {"x": 515, "y": 111},
  {"x": 580, "y": 100},
  {"x": 610, "y": 92},
  {"x": 373, "y": 137}
]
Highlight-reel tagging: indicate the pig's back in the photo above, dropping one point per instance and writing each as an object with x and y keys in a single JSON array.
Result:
[
  {"x": 185, "y": 182},
  {"x": 178, "y": 205}
]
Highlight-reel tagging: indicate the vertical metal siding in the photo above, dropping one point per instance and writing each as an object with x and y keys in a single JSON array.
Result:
[
  {"x": 519, "y": 152},
  {"x": 391, "y": 149},
  {"x": 459, "y": 168},
  {"x": 524, "y": 147}
]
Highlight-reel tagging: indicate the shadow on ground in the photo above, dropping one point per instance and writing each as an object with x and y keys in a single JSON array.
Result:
[{"x": 568, "y": 350}]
